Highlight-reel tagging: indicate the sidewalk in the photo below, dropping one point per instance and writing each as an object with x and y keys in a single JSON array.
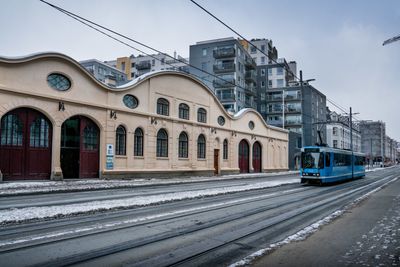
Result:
[
  {"x": 367, "y": 235},
  {"x": 11, "y": 188}
]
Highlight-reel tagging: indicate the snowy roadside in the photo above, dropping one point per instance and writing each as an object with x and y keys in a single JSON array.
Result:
[
  {"x": 36, "y": 187},
  {"x": 307, "y": 231},
  {"x": 14, "y": 215}
]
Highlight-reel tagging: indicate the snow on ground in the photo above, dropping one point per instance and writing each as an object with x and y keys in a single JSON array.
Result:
[
  {"x": 307, "y": 231},
  {"x": 380, "y": 246},
  {"x": 100, "y": 226},
  {"x": 23, "y": 214},
  {"x": 26, "y": 187}
]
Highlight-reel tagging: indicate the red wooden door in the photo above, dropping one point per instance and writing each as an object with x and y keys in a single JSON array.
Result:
[
  {"x": 25, "y": 145},
  {"x": 257, "y": 157},
  {"x": 216, "y": 161},
  {"x": 38, "y": 146},
  {"x": 243, "y": 156},
  {"x": 89, "y": 149}
]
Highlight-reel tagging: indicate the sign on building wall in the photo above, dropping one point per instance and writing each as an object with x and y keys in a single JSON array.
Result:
[{"x": 110, "y": 157}]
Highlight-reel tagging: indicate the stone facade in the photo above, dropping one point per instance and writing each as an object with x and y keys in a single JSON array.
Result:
[{"x": 23, "y": 84}]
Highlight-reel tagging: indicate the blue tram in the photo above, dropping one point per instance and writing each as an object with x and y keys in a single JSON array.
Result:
[{"x": 326, "y": 165}]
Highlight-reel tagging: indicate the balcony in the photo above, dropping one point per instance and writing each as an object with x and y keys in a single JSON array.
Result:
[
  {"x": 250, "y": 76},
  {"x": 226, "y": 82},
  {"x": 224, "y": 52},
  {"x": 226, "y": 97},
  {"x": 221, "y": 67},
  {"x": 143, "y": 65},
  {"x": 251, "y": 89},
  {"x": 249, "y": 63}
]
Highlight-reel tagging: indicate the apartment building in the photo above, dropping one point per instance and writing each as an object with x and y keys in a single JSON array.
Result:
[
  {"x": 104, "y": 72},
  {"x": 338, "y": 132},
  {"x": 227, "y": 68},
  {"x": 135, "y": 66}
]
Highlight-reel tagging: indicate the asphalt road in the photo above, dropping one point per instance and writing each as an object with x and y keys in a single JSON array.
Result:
[
  {"x": 367, "y": 235},
  {"x": 210, "y": 231}
]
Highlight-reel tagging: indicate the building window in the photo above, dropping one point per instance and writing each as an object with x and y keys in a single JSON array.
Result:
[
  {"x": 163, "y": 106},
  {"x": 58, "y": 81},
  {"x": 335, "y": 143},
  {"x": 138, "y": 143},
  {"x": 299, "y": 142},
  {"x": 204, "y": 52},
  {"x": 262, "y": 72},
  {"x": 201, "y": 147},
  {"x": 279, "y": 71},
  {"x": 202, "y": 115},
  {"x": 221, "y": 120},
  {"x": 120, "y": 141},
  {"x": 130, "y": 101},
  {"x": 183, "y": 111},
  {"x": 153, "y": 62},
  {"x": 263, "y": 48},
  {"x": 225, "y": 150},
  {"x": 183, "y": 145},
  {"x": 204, "y": 66},
  {"x": 162, "y": 144},
  {"x": 262, "y": 60},
  {"x": 269, "y": 83},
  {"x": 253, "y": 49},
  {"x": 39, "y": 133},
  {"x": 251, "y": 125},
  {"x": 334, "y": 130},
  {"x": 262, "y": 84},
  {"x": 279, "y": 83},
  {"x": 11, "y": 131}
]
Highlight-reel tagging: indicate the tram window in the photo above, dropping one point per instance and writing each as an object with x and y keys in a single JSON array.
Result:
[
  {"x": 327, "y": 160},
  {"x": 321, "y": 161}
]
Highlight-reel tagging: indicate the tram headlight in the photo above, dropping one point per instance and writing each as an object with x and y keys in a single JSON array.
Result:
[
  {"x": 317, "y": 174},
  {"x": 304, "y": 174}
]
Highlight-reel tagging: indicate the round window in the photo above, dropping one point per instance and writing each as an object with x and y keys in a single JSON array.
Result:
[
  {"x": 251, "y": 125},
  {"x": 221, "y": 120},
  {"x": 130, "y": 101},
  {"x": 58, "y": 81}
]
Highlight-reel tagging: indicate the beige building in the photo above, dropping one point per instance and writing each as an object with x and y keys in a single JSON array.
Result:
[{"x": 57, "y": 122}]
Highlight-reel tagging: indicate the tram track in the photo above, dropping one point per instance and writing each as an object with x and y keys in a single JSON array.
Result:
[{"x": 278, "y": 211}]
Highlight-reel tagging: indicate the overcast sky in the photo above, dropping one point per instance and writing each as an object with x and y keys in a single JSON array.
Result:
[{"x": 338, "y": 43}]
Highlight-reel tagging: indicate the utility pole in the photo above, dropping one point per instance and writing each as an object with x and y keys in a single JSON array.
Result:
[
  {"x": 351, "y": 144},
  {"x": 283, "y": 108}
]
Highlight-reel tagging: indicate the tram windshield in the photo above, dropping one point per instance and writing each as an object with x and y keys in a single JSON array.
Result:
[{"x": 310, "y": 160}]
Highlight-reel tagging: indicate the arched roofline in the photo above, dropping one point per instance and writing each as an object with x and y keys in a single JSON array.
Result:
[
  {"x": 244, "y": 111},
  {"x": 135, "y": 82}
]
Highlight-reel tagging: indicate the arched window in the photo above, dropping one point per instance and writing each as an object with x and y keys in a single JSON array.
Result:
[
  {"x": 162, "y": 143},
  {"x": 39, "y": 133},
  {"x": 183, "y": 111},
  {"x": 163, "y": 106},
  {"x": 183, "y": 145},
  {"x": 11, "y": 131},
  {"x": 120, "y": 141},
  {"x": 138, "y": 143},
  {"x": 202, "y": 115},
  {"x": 225, "y": 149},
  {"x": 201, "y": 147}
]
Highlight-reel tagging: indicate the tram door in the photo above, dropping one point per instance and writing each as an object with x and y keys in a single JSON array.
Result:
[
  {"x": 25, "y": 145},
  {"x": 244, "y": 156},
  {"x": 79, "y": 148},
  {"x": 257, "y": 157}
]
